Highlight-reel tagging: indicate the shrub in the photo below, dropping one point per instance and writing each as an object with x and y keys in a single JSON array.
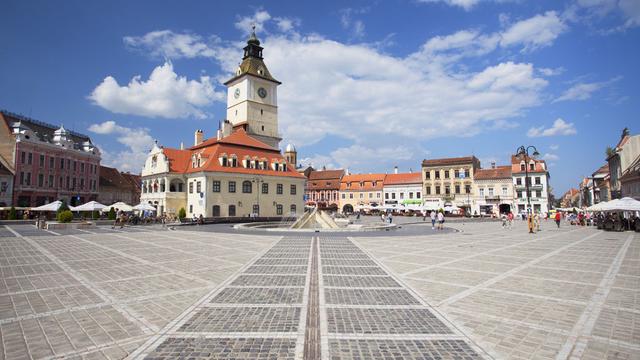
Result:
[
  {"x": 95, "y": 214},
  {"x": 112, "y": 214},
  {"x": 182, "y": 213},
  {"x": 65, "y": 216},
  {"x": 63, "y": 207},
  {"x": 13, "y": 214}
]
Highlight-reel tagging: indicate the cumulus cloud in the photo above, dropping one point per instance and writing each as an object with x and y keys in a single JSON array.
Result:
[
  {"x": 137, "y": 143},
  {"x": 551, "y": 157},
  {"x": 536, "y": 32},
  {"x": 363, "y": 94},
  {"x": 258, "y": 19},
  {"x": 168, "y": 44},
  {"x": 351, "y": 23},
  {"x": 593, "y": 11},
  {"x": 554, "y": 147},
  {"x": 559, "y": 127},
  {"x": 465, "y": 4},
  {"x": 164, "y": 94},
  {"x": 551, "y": 71},
  {"x": 583, "y": 91}
]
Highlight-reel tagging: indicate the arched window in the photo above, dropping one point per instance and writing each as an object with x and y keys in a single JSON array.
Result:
[
  {"x": 293, "y": 209},
  {"x": 246, "y": 187},
  {"x": 216, "y": 211},
  {"x": 284, "y": 167},
  {"x": 234, "y": 161},
  {"x": 232, "y": 210}
]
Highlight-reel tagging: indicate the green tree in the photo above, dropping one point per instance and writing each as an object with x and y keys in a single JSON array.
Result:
[
  {"x": 610, "y": 152},
  {"x": 13, "y": 214},
  {"x": 65, "y": 216},
  {"x": 95, "y": 214},
  {"x": 63, "y": 207},
  {"x": 182, "y": 213},
  {"x": 112, "y": 214}
]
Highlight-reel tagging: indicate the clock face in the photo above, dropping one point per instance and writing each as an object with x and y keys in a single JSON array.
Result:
[
  {"x": 262, "y": 93},
  {"x": 236, "y": 93}
]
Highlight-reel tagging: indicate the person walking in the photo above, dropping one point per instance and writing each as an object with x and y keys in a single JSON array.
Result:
[
  {"x": 510, "y": 218},
  {"x": 433, "y": 219},
  {"x": 503, "y": 217},
  {"x": 558, "y": 218},
  {"x": 382, "y": 217},
  {"x": 441, "y": 220},
  {"x": 390, "y": 217},
  {"x": 530, "y": 223},
  {"x": 537, "y": 221}
]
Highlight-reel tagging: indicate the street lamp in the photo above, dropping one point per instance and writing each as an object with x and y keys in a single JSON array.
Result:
[
  {"x": 524, "y": 151},
  {"x": 256, "y": 180}
]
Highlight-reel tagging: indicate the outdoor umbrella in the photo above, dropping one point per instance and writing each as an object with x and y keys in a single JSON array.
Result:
[
  {"x": 624, "y": 204},
  {"x": 90, "y": 206},
  {"x": 144, "y": 207},
  {"x": 598, "y": 207},
  {"x": 120, "y": 206},
  {"x": 54, "y": 206}
]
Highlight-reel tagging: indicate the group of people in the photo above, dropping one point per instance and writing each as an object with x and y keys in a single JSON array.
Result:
[{"x": 437, "y": 219}]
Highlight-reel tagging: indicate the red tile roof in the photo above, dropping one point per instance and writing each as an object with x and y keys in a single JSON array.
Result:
[
  {"x": 367, "y": 181},
  {"x": 499, "y": 172},
  {"x": 326, "y": 174},
  {"x": 404, "y": 178},
  {"x": 540, "y": 165},
  {"x": 239, "y": 144}
]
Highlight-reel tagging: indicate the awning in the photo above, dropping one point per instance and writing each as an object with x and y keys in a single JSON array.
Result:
[
  {"x": 54, "y": 206},
  {"x": 90, "y": 206},
  {"x": 120, "y": 206}
]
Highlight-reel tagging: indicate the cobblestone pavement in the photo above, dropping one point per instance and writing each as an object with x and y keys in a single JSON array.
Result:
[{"x": 480, "y": 293}]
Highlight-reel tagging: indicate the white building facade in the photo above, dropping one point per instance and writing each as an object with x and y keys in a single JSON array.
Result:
[{"x": 538, "y": 180}]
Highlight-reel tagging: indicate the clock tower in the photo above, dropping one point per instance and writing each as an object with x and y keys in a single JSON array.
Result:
[{"x": 252, "y": 96}]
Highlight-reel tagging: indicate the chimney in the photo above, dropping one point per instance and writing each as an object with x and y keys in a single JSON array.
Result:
[
  {"x": 346, "y": 171},
  {"x": 395, "y": 169},
  {"x": 181, "y": 145},
  {"x": 493, "y": 164},
  {"x": 219, "y": 134},
  {"x": 198, "y": 136}
]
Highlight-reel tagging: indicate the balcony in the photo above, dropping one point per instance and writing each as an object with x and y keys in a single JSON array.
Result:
[
  {"x": 492, "y": 198},
  {"x": 448, "y": 197}
]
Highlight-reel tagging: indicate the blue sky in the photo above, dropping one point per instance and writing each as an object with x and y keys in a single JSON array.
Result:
[{"x": 366, "y": 85}]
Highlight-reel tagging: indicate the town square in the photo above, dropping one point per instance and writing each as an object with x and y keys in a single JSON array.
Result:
[{"x": 429, "y": 179}]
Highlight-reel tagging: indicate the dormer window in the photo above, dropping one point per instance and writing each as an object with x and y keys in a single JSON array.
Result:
[
  {"x": 234, "y": 161},
  {"x": 374, "y": 183},
  {"x": 522, "y": 166},
  {"x": 284, "y": 166},
  {"x": 154, "y": 161},
  {"x": 532, "y": 166},
  {"x": 224, "y": 161},
  {"x": 193, "y": 161},
  {"x": 361, "y": 183}
]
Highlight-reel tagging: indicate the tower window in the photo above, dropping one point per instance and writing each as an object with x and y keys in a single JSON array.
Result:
[
  {"x": 262, "y": 127},
  {"x": 261, "y": 111}
]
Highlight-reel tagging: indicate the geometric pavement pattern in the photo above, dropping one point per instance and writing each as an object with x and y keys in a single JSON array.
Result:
[{"x": 138, "y": 292}]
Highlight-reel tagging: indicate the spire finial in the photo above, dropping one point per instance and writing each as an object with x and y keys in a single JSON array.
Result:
[{"x": 253, "y": 39}]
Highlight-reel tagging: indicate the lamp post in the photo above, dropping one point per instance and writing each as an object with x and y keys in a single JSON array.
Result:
[
  {"x": 256, "y": 180},
  {"x": 524, "y": 151}
]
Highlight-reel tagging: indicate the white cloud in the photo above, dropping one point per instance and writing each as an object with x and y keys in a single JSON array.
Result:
[
  {"x": 583, "y": 91},
  {"x": 362, "y": 94},
  {"x": 168, "y": 44},
  {"x": 593, "y": 12},
  {"x": 137, "y": 142},
  {"x": 287, "y": 24},
  {"x": 465, "y": 4},
  {"x": 551, "y": 157},
  {"x": 164, "y": 94},
  {"x": 536, "y": 32},
  {"x": 355, "y": 26},
  {"x": 258, "y": 19},
  {"x": 560, "y": 127},
  {"x": 551, "y": 72},
  {"x": 554, "y": 147}
]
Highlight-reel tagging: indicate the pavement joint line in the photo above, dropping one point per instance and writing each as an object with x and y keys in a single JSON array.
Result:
[
  {"x": 620, "y": 343},
  {"x": 236, "y": 305},
  {"x": 95, "y": 348},
  {"x": 308, "y": 344},
  {"x": 427, "y": 337},
  {"x": 209, "y": 237},
  {"x": 23, "y": 292},
  {"x": 126, "y": 312},
  {"x": 174, "y": 249},
  {"x": 153, "y": 342},
  {"x": 437, "y": 281},
  {"x": 143, "y": 261},
  {"x": 436, "y": 312},
  {"x": 542, "y": 297},
  {"x": 381, "y": 307},
  {"x": 575, "y": 346},
  {"x": 233, "y": 335},
  {"x": 555, "y": 234},
  {"x": 98, "y": 305},
  {"x": 322, "y": 308},
  {"x": 450, "y": 300}
]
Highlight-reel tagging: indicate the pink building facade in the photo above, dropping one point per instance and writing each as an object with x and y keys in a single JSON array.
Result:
[{"x": 51, "y": 164}]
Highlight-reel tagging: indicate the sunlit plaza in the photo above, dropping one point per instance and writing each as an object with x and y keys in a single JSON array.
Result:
[{"x": 203, "y": 292}]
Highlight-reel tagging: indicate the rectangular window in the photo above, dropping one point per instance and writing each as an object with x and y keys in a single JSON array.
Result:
[
  {"x": 361, "y": 195},
  {"x": 481, "y": 191},
  {"x": 82, "y": 168},
  {"x": 437, "y": 190},
  {"x": 28, "y": 179},
  {"x": 81, "y": 184},
  {"x": 504, "y": 191},
  {"x": 73, "y": 183},
  {"x": 418, "y": 195},
  {"x": 61, "y": 163},
  {"x": 518, "y": 181},
  {"x": 456, "y": 174},
  {"x": 538, "y": 180},
  {"x": 344, "y": 196},
  {"x": 457, "y": 189},
  {"x": 428, "y": 190},
  {"x": 265, "y": 188},
  {"x": 75, "y": 165},
  {"x": 538, "y": 194},
  {"x": 50, "y": 181},
  {"x": 191, "y": 188},
  {"x": 278, "y": 209},
  {"x": 467, "y": 189},
  {"x": 466, "y": 173},
  {"x": 191, "y": 208},
  {"x": 279, "y": 189},
  {"x": 52, "y": 163},
  {"x": 446, "y": 174},
  {"x": 21, "y": 177},
  {"x": 351, "y": 196},
  {"x": 40, "y": 180},
  {"x": 232, "y": 186},
  {"x": 30, "y": 161},
  {"x": 386, "y": 196},
  {"x": 378, "y": 195},
  {"x": 216, "y": 186},
  {"x": 437, "y": 174},
  {"x": 68, "y": 163},
  {"x": 393, "y": 196},
  {"x": 401, "y": 195},
  {"x": 447, "y": 190},
  {"x": 293, "y": 189},
  {"x": 490, "y": 191},
  {"x": 199, "y": 187},
  {"x": 532, "y": 167},
  {"x": 23, "y": 156},
  {"x": 41, "y": 160},
  {"x": 427, "y": 174},
  {"x": 519, "y": 195},
  {"x": 410, "y": 195}
]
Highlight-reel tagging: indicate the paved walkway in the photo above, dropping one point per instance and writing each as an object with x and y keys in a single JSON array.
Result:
[{"x": 485, "y": 292}]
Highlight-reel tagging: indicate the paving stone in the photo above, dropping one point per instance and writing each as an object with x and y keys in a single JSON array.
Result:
[
  {"x": 384, "y": 321},
  {"x": 225, "y": 348},
  {"x": 285, "y": 270},
  {"x": 259, "y": 296},
  {"x": 400, "y": 349},
  {"x": 340, "y": 296},
  {"x": 244, "y": 319},
  {"x": 353, "y": 270},
  {"x": 360, "y": 281},
  {"x": 269, "y": 280}
]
